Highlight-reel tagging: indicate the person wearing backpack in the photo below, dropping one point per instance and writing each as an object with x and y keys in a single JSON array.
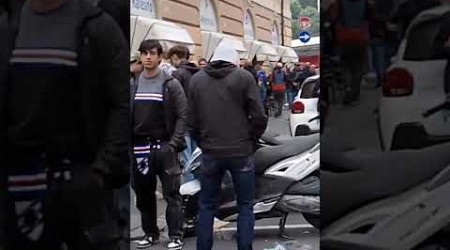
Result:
[
  {"x": 350, "y": 19},
  {"x": 65, "y": 126},
  {"x": 278, "y": 87}
]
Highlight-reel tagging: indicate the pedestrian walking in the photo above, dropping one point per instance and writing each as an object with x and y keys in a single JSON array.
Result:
[
  {"x": 278, "y": 87},
  {"x": 64, "y": 137},
  {"x": 352, "y": 19},
  {"x": 159, "y": 119},
  {"x": 226, "y": 118},
  {"x": 378, "y": 28},
  {"x": 262, "y": 82},
  {"x": 290, "y": 90},
  {"x": 295, "y": 77}
]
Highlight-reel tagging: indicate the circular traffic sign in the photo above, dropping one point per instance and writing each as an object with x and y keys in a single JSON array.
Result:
[{"x": 304, "y": 36}]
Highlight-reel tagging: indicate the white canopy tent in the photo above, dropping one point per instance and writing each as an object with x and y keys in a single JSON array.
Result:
[
  {"x": 168, "y": 34},
  {"x": 210, "y": 41},
  {"x": 262, "y": 51},
  {"x": 288, "y": 54}
]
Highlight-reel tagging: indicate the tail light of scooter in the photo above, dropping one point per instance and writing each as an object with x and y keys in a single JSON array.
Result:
[
  {"x": 398, "y": 82},
  {"x": 298, "y": 107}
]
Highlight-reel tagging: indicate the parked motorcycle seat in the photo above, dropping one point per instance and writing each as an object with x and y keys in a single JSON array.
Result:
[
  {"x": 366, "y": 178},
  {"x": 267, "y": 156}
]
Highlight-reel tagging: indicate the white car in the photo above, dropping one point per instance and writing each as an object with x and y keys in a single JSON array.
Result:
[
  {"x": 305, "y": 107},
  {"x": 413, "y": 85}
]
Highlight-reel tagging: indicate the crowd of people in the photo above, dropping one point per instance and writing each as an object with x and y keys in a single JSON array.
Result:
[
  {"x": 363, "y": 36},
  {"x": 283, "y": 82},
  {"x": 177, "y": 106}
]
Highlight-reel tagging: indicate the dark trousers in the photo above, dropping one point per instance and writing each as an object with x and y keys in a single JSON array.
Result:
[
  {"x": 67, "y": 205},
  {"x": 354, "y": 62},
  {"x": 243, "y": 174},
  {"x": 144, "y": 183},
  {"x": 279, "y": 98}
]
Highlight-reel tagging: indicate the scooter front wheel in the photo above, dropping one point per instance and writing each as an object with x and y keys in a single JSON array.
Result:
[{"x": 313, "y": 219}]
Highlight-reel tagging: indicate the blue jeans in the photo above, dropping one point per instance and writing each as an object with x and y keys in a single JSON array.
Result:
[
  {"x": 290, "y": 96},
  {"x": 243, "y": 173},
  {"x": 186, "y": 156},
  {"x": 379, "y": 58},
  {"x": 263, "y": 94}
]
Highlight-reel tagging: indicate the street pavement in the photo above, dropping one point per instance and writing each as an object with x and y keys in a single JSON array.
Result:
[
  {"x": 303, "y": 235},
  {"x": 355, "y": 125}
]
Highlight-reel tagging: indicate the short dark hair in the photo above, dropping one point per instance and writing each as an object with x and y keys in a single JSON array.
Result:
[
  {"x": 202, "y": 60},
  {"x": 150, "y": 44},
  {"x": 181, "y": 51}
]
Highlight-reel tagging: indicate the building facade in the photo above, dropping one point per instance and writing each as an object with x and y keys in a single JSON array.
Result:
[{"x": 246, "y": 20}]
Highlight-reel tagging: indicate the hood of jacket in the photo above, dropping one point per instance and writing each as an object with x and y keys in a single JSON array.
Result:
[
  {"x": 220, "y": 69},
  {"x": 191, "y": 67}
]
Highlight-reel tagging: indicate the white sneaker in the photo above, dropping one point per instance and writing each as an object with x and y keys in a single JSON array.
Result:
[
  {"x": 175, "y": 244},
  {"x": 146, "y": 241}
]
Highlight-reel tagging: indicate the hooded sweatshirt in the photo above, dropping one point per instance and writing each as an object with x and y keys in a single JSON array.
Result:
[
  {"x": 225, "y": 115},
  {"x": 184, "y": 73}
]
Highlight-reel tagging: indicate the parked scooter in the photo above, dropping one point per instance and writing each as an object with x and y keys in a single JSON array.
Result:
[
  {"x": 391, "y": 200},
  {"x": 287, "y": 181}
]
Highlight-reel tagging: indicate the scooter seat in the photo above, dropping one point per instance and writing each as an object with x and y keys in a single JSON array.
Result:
[
  {"x": 365, "y": 178},
  {"x": 267, "y": 156}
]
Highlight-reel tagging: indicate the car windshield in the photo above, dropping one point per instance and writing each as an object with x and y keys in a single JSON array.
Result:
[
  {"x": 310, "y": 89},
  {"x": 422, "y": 44}
]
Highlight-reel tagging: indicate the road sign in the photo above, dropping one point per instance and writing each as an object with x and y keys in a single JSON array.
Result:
[
  {"x": 304, "y": 36},
  {"x": 304, "y": 22}
]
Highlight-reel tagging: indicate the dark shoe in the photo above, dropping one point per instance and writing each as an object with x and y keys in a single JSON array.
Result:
[
  {"x": 175, "y": 244},
  {"x": 147, "y": 241}
]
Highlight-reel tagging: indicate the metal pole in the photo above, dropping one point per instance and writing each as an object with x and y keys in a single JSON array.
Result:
[{"x": 282, "y": 22}]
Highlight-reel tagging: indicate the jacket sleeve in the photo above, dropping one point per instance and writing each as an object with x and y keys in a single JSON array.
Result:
[
  {"x": 6, "y": 45},
  {"x": 113, "y": 157},
  {"x": 193, "y": 126},
  {"x": 257, "y": 116},
  {"x": 179, "y": 101}
]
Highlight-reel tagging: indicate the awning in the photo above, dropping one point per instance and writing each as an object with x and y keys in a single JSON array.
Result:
[
  {"x": 168, "y": 34},
  {"x": 288, "y": 54},
  {"x": 262, "y": 51},
  {"x": 210, "y": 41}
]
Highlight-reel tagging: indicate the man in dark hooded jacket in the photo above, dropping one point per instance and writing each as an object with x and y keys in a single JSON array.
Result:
[{"x": 226, "y": 118}]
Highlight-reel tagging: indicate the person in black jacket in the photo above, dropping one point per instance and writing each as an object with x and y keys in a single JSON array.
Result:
[
  {"x": 179, "y": 56},
  {"x": 159, "y": 122},
  {"x": 248, "y": 66},
  {"x": 226, "y": 118},
  {"x": 65, "y": 129}
]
